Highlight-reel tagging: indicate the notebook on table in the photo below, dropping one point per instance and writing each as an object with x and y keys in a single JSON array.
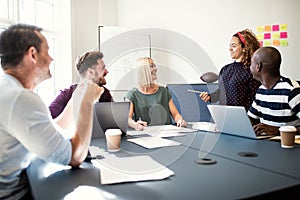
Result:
[
  {"x": 233, "y": 120},
  {"x": 110, "y": 115}
]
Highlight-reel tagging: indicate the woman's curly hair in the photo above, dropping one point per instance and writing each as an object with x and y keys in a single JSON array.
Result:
[{"x": 250, "y": 43}]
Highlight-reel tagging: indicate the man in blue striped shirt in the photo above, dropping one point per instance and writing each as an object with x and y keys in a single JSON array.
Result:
[{"x": 277, "y": 100}]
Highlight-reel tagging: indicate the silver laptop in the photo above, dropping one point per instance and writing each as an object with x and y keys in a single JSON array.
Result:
[
  {"x": 233, "y": 120},
  {"x": 110, "y": 115}
]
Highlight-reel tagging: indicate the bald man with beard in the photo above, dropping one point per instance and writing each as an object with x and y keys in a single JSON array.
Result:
[{"x": 277, "y": 100}]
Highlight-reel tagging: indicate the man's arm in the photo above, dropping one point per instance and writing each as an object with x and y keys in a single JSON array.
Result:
[
  {"x": 253, "y": 121},
  {"x": 260, "y": 128},
  {"x": 84, "y": 97},
  {"x": 57, "y": 106}
]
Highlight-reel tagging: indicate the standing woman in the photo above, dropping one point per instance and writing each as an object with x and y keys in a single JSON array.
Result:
[
  {"x": 237, "y": 86},
  {"x": 150, "y": 103}
]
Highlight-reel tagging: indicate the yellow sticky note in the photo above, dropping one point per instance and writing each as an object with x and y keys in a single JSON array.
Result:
[
  {"x": 260, "y": 36},
  {"x": 276, "y": 35},
  {"x": 283, "y": 27},
  {"x": 283, "y": 43},
  {"x": 267, "y": 43},
  {"x": 260, "y": 29}
]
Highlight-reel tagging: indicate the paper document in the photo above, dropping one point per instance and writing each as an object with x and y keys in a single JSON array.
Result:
[
  {"x": 96, "y": 152},
  {"x": 162, "y": 131},
  {"x": 153, "y": 142},
  {"x": 167, "y": 128},
  {"x": 130, "y": 169},
  {"x": 204, "y": 126},
  {"x": 137, "y": 133},
  {"x": 160, "y": 134}
]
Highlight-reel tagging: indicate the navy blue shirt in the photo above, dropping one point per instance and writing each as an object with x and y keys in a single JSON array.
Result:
[{"x": 237, "y": 87}]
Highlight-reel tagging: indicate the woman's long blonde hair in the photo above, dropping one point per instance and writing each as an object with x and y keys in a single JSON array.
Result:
[{"x": 144, "y": 72}]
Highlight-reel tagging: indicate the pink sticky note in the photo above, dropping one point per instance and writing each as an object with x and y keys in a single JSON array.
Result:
[
  {"x": 267, "y": 36},
  {"x": 275, "y": 28},
  {"x": 283, "y": 35}
]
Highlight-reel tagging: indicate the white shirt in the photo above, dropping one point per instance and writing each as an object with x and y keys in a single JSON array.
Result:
[{"x": 25, "y": 128}]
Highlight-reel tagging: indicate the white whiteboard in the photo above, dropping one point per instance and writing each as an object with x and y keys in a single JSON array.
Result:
[{"x": 178, "y": 58}]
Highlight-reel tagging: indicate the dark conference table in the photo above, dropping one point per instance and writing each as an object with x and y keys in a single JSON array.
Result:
[
  {"x": 270, "y": 155},
  {"x": 271, "y": 173}
]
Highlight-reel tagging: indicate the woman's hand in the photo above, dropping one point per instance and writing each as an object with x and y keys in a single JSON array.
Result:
[
  {"x": 140, "y": 125},
  {"x": 204, "y": 96},
  {"x": 137, "y": 125},
  {"x": 181, "y": 123}
]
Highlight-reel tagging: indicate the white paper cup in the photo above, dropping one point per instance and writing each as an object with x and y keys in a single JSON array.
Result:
[
  {"x": 113, "y": 139},
  {"x": 287, "y": 134}
]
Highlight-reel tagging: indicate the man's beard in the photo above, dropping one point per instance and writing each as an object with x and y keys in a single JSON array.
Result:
[{"x": 101, "y": 81}]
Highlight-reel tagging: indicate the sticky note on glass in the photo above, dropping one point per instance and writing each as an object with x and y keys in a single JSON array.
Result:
[
  {"x": 267, "y": 28},
  {"x": 283, "y": 43},
  {"x": 283, "y": 34},
  {"x": 260, "y": 29},
  {"x": 267, "y": 43},
  {"x": 267, "y": 36},
  {"x": 276, "y": 35},
  {"x": 276, "y": 43},
  {"x": 275, "y": 28},
  {"x": 260, "y": 36},
  {"x": 283, "y": 27}
]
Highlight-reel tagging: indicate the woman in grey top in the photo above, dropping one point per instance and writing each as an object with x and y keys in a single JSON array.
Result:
[{"x": 150, "y": 104}]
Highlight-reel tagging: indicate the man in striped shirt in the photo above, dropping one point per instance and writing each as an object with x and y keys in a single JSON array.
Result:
[{"x": 277, "y": 100}]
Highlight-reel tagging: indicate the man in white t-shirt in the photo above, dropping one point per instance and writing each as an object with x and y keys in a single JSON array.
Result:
[{"x": 25, "y": 124}]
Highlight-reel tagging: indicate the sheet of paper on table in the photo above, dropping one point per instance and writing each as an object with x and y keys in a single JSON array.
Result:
[
  {"x": 96, "y": 152},
  {"x": 162, "y": 131},
  {"x": 204, "y": 126},
  {"x": 153, "y": 142},
  {"x": 130, "y": 169},
  {"x": 168, "y": 128}
]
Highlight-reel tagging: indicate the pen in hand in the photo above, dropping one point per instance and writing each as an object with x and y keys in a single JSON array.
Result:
[
  {"x": 195, "y": 91},
  {"x": 202, "y": 94},
  {"x": 141, "y": 122}
]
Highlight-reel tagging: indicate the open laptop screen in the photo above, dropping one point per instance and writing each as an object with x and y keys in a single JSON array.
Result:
[
  {"x": 110, "y": 115},
  {"x": 233, "y": 120}
]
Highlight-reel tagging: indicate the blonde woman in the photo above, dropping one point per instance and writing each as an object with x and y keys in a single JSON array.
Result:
[{"x": 150, "y": 104}]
